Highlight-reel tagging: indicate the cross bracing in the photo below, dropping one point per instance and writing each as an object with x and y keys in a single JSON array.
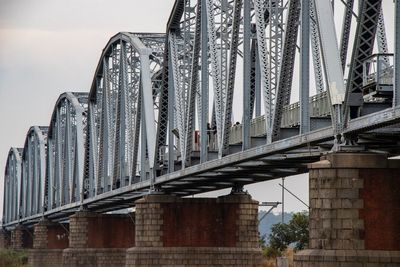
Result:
[{"x": 161, "y": 112}]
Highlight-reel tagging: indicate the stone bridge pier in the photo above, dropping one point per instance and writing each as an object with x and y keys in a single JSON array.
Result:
[
  {"x": 5, "y": 238},
  {"x": 173, "y": 231},
  {"x": 354, "y": 212},
  {"x": 21, "y": 238},
  {"x": 164, "y": 231},
  {"x": 48, "y": 243},
  {"x": 97, "y": 240}
]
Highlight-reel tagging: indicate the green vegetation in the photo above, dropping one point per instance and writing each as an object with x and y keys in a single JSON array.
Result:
[
  {"x": 12, "y": 258},
  {"x": 266, "y": 224},
  {"x": 294, "y": 233}
]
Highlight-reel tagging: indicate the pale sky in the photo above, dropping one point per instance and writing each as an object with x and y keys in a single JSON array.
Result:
[{"x": 48, "y": 47}]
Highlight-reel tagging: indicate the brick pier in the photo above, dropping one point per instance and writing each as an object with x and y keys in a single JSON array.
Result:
[
  {"x": 48, "y": 243},
  {"x": 354, "y": 212},
  {"x": 21, "y": 238},
  {"x": 172, "y": 231},
  {"x": 98, "y": 240},
  {"x": 5, "y": 237},
  {"x": 164, "y": 231}
]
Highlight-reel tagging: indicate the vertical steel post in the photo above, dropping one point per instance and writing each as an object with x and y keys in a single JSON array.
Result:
[
  {"x": 396, "y": 89},
  {"x": 331, "y": 60},
  {"x": 50, "y": 174},
  {"x": 5, "y": 201},
  {"x": 67, "y": 156},
  {"x": 305, "y": 67},
  {"x": 246, "y": 76},
  {"x": 12, "y": 197},
  {"x": 143, "y": 145},
  {"x": 204, "y": 85},
  {"x": 283, "y": 199},
  {"x": 257, "y": 87},
  {"x": 315, "y": 48},
  {"x": 346, "y": 27},
  {"x": 171, "y": 115}
]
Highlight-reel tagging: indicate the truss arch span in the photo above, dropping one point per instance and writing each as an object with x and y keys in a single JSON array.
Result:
[
  {"x": 12, "y": 185},
  {"x": 123, "y": 104},
  {"x": 34, "y": 171},
  {"x": 65, "y": 149}
]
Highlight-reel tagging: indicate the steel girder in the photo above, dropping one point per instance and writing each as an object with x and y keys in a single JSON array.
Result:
[
  {"x": 163, "y": 112},
  {"x": 368, "y": 16},
  {"x": 396, "y": 93},
  {"x": 34, "y": 171},
  {"x": 123, "y": 103},
  {"x": 305, "y": 68},
  {"x": 231, "y": 72},
  {"x": 251, "y": 71},
  {"x": 66, "y": 150},
  {"x": 12, "y": 186},
  {"x": 203, "y": 103},
  {"x": 264, "y": 66},
  {"x": 346, "y": 27},
  {"x": 285, "y": 79},
  {"x": 332, "y": 61},
  {"x": 316, "y": 50}
]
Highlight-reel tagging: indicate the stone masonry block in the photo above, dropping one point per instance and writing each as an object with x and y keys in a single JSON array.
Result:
[
  {"x": 348, "y": 173},
  {"x": 347, "y": 213}
]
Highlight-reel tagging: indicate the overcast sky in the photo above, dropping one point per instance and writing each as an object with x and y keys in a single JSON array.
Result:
[{"x": 48, "y": 47}]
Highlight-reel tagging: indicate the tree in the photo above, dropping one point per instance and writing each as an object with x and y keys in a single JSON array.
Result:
[
  {"x": 281, "y": 236},
  {"x": 293, "y": 233},
  {"x": 263, "y": 241},
  {"x": 299, "y": 229}
]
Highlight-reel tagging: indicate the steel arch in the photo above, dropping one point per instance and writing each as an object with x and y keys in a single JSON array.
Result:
[
  {"x": 12, "y": 185},
  {"x": 34, "y": 171},
  {"x": 123, "y": 104},
  {"x": 65, "y": 150}
]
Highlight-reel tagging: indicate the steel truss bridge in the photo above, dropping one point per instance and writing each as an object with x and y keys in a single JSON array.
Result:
[{"x": 161, "y": 111}]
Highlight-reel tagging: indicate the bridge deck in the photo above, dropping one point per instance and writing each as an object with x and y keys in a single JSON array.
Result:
[{"x": 266, "y": 162}]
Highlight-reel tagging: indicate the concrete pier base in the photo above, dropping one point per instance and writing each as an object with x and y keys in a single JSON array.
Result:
[
  {"x": 354, "y": 212},
  {"x": 98, "y": 240},
  {"x": 93, "y": 257},
  {"x": 347, "y": 258},
  {"x": 172, "y": 231},
  {"x": 192, "y": 256}
]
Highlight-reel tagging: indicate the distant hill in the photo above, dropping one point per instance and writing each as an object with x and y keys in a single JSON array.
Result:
[{"x": 265, "y": 225}]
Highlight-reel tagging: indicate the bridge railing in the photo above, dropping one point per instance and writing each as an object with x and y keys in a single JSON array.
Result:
[
  {"x": 319, "y": 108},
  {"x": 378, "y": 76}
]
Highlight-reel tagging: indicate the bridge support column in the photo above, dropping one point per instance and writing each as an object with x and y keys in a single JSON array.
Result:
[
  {"x": 5, "y": 238},
  {"x": 21, "y": 238},
  {"x": 98, "y": 239},
  {"x": 16, "y": 238},
  {"x": 172, "y": 231},
  {"x": 49, "y": 240},
  {"x": 354, "y": 212}
]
